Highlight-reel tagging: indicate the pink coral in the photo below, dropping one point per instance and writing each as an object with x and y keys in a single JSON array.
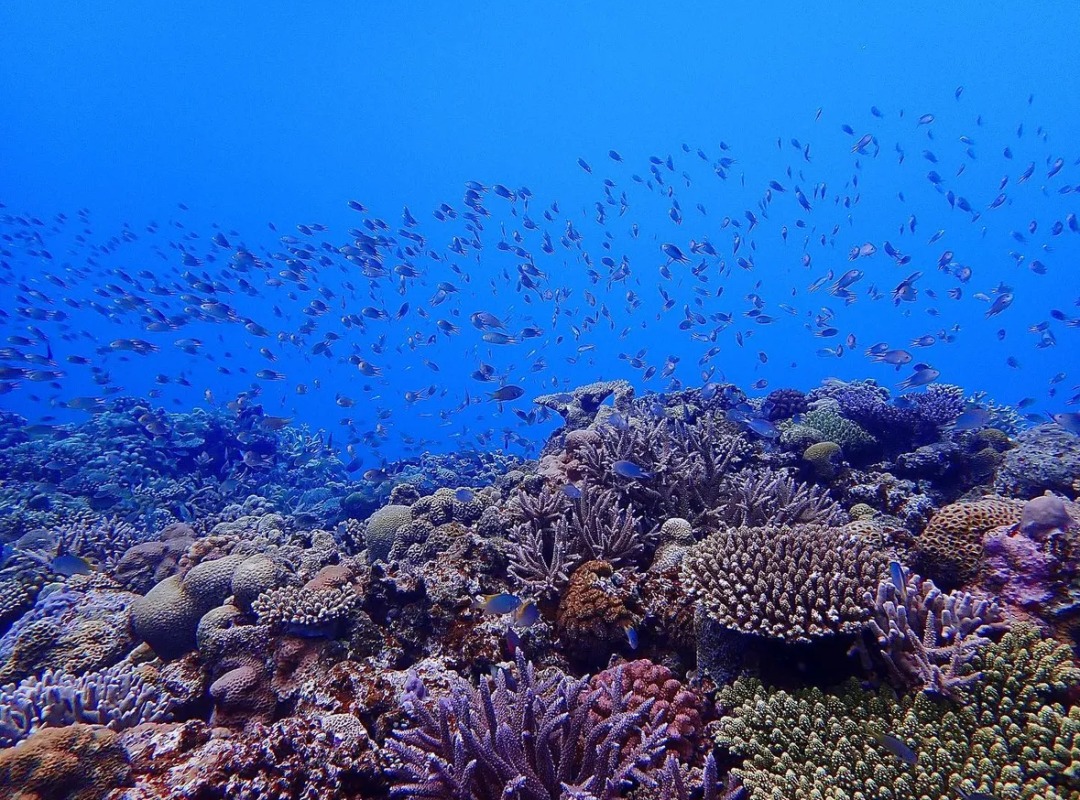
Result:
[{"x": 675, "y": 705}]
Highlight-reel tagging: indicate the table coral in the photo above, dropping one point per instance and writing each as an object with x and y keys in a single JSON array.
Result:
[{"x": 792, "y": 583}]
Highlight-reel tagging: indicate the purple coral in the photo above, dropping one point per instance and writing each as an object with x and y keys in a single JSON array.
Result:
[
  {"x": 530, "y": 738},
  {"x": 926, "y": 636},
  {"x": 913, "y": 419}
]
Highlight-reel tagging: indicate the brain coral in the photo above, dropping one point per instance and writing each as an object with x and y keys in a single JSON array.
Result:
[
  {"x": 1008, "y": 737},
  {"x": 792, "y": 583},
  {"x": 167, "y": 616},
  {"x": 951, "y": 547},
  {"x": 382, "y": 527}
]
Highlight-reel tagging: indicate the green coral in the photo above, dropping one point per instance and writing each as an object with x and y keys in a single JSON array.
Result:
[
  {"x": 823, "y": 457},
  {"x": 862, "y": 511},
  {"x": 1010, "y": 737},
  {"x": 835, "y": 428}
]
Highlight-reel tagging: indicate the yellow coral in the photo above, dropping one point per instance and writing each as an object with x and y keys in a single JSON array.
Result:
[
  {"x": 823, "y": 457},
  {"x": 952, "y": 544}
]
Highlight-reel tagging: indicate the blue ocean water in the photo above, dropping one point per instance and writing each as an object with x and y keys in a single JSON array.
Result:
[
  {"x": 171, "y": 127},
  {"x": 506, "y": 401}
]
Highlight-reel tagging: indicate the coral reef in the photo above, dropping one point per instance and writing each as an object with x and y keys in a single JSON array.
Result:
[
  {"x": 1009, "y": 737},
  {"x": 528, "y": 739},
  {"x": 211, "y": 606},
  {"x": 76, "y": 763},
  {"x": 951, "y": 547}
]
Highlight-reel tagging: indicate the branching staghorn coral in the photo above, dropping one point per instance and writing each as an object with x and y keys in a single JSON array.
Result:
[
  {"x": 604, "y": 531},
  {"x": 772, "y": 497},
  {"x": 541, "y": 558},
  {"x": 926, "y": 637},
  {"x": 535, "y": 740}
]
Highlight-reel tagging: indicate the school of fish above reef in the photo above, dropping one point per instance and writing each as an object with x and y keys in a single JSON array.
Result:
[
  {"x": 909, "y": 248},
  {"x": 837, "y": 593}
]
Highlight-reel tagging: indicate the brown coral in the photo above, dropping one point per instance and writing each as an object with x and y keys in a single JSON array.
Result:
[
  {"x": 792, "y": 583},
  {"x": 79, "y": 762},
  {"x": 951, "y": 548},
  {"x": 593, "y": 613}
]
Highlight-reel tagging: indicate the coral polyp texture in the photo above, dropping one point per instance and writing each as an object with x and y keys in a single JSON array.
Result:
[
  {"x": 700, "y": 595},
  {"x": 791, "y": 583}
]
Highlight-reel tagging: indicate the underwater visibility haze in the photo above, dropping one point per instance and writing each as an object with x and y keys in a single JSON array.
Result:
[{"x": 520, "y": 402}]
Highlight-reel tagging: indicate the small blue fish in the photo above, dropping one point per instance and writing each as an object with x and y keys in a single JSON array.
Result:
[
  {"x": 464, "y": 495},
  {"x": 899, "y": 579},
  {"x": 631, "y": 636},
  {"x": 571, "y": 491},
  {"x": 1070, "y": 421},
  {"x": 414, "y": 687},
  {"x": 972, "y": 419},
  {"x": 898, "y": 748},
  {"x": 502, "y": 603},
  {"x": 923, "y": 375},
  {"x": 70, "y": 564},
  {"x": 513, "y": 641},
  {"x": 526, "y": 615},
  {"x": 628, "y": 469}
]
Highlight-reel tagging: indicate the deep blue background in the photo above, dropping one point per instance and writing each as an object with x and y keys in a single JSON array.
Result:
[{"x": 282, "y": 112}]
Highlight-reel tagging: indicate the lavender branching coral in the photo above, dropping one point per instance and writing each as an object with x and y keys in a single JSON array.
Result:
[
  {"x": 604, "y": 531},
  {"x": 541, "y": 558},
  {"x": 118, "y": 697},
  {"x": 927, "y": 637},
  {"x": 529, "y": 739},
  {"x": 761, "y": 497}
]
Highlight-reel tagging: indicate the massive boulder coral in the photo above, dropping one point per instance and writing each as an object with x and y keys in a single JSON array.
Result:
[
  {"x": 167, "y": 616},
  {"x": 69, "y": 630},
  {"x": 1046, "y": 458},
  {"x": 1011, "y": 736},
  {"x": 791, "y": 583},
  {"x": 83, "y": 762},
  {"x": 950, "y": 550},
  {"x": 382, "y": 528}
]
